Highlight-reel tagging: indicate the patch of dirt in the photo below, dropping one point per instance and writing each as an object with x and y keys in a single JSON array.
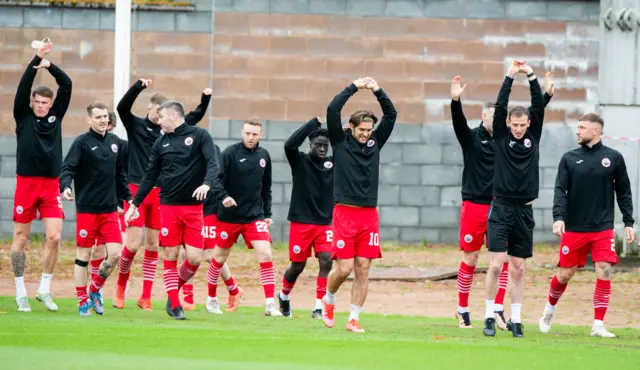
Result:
[{"x": 431, "y": 298}]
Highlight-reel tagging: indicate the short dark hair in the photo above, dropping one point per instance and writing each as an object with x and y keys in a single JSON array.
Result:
[
  {"x": 592, "y": 117},
  {"x": 519, "y": 111},
  {"x": 253, "y": 122},
  {"x": 174, "y": 105},
  {"x": 318, "y": 133},
  {"x": 96, "y": 105},
  {"x": 43, "y": 91},
  {"x": 158, "y": 98},
  {"x": 113, "y": 120},
  {"x": 362, "y": 115},
  {"x": 489, "y": 104}
]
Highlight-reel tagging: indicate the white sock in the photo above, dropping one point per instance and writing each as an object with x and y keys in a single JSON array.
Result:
[
  {"x": 516, "y": 308},
  {"x": 463, "y": 309},
  {"x": 283, "y": 296},
  {"x": 270, "y": 301},
  {"x": 21, "y": 289},
  {"x": 45, "y": 284},
  {"x": 330, "y": 298},
  {"x": 598, "y": 323},
  {"x": 355, "y": 312},
  {"x": 318, "y": 304},
  {"x": 213, "y": 298},
  {"x": 488, "y": 312},
  {"x": 498, "y": 307},
  {"x": 549, "y": 308}
]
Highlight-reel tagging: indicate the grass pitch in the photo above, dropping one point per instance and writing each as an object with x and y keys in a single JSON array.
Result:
[{"x": 132, "y": 339}]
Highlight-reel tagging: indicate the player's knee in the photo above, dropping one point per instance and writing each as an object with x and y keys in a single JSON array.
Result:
[
  {"x": 296, "y": 268},
  {"x": 604, "y": 270},
  {"x": 471, "y": 258},
  {"x": 19, "y": 240},
  {"x": 495, "y": 267},
  {"x": 52, "y": 240},
  {"x": 264, "y": 254},
  {"x": 325, "y": 263},
  {"x": 564, "y": 275},
  {"x": 83, "y": 254},
  {"x": 516, "y": 271}
]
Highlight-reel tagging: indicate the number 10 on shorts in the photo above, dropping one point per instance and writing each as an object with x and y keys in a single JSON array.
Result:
[
  {"x": 209, "y": 232},
  {"x": 374, "y": 239}
]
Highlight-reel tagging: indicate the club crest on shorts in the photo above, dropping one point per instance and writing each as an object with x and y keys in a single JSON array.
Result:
[
  {"x": 83, "y": 233},
  {"x": 340, "y": 244},
  {"x": 263, "y": 163},
  {"x": 114, "y": 148},
  {"x": 188, "y": 141},
  {"x": 468, "y": 238},
  {"x": 565, "y": 250},
  {"x": 19, "y": 210},
  {"x": 328, "y": 165},
  {"x": 606, "y": 162},
  {"x": 371, "y": 143},
  {"x": 527, "y": 143},
  {"x": 296, "y": 249},
  {"x": 165, "y": 231},
  {"x": 51, "y": 119},
  {"x": 224, "y": 235}
]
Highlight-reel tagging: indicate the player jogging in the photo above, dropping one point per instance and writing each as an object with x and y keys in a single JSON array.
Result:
[
  {"x": 477, "y": 193},
  {"x": 39, "y": 160},
  {"x": 95, "y": 164},
  {"x": 246, "y": 211},
  {"x": 310, "y": 211},
  {"x": 142, "y": 133},
  {"x": 516, "y": 135},
  {"x": 583, "y": 214},
  {"x": 356, "y": 227},
  {"x": 184, "y": 161}
]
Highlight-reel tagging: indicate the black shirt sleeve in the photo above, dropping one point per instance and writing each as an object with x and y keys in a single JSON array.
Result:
[
  {"x": 547, "y": 99},
  {"x": 334, "y": 111},
  {"x": 388, "y": 120},
  {"x": 296, "y": 139},
  {"x": 460, "y": 126},
  {"x": 211, "y": 177},
  {"x": 126, "y": 104},
  {"x": 63, "y": 96},
  {"x": 22, "y": 101},
  {"x": 266, "y": 188},
  {"x": 122, "y": 187},
  {"x": 500, "y": 129},
  {"x": 623, "y": 192},
  {"x": 196, "y": 115},
  {"x": 560, "y": 196},
  {"x": 536, "y": 110},
  {"x": 70, "y": 165},
  {"x": 151, "y": 176}
]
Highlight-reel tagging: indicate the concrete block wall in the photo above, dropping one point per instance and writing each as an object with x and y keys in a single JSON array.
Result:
[{"x": 282, "y": 61}]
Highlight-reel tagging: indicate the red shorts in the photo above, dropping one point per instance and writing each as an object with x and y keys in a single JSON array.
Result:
[
  {"x": 576, "y": 246},
  {"x": 36, "y": 194},
  {"x": 303, "y": 236},
  {"x": 356, "y": 232},
  {"x": 473, "y": 225},
  {"x": 149, "y": 211},
  {"x": 253, "y": 231},
  {"x": 181, "y": 225},
  {"x": 209, "y": 232},
  {"x": 97, "y": 229}
]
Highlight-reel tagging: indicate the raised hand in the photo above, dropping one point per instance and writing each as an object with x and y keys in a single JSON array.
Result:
[
  {"x": 44, "y": 47},
  {"x": 360, "y": 83},
  {"x": 548, "y": 77},
  {"x": 145, "y": 82},
  {"x": 525, "y": 68},
  {"x": 207, "y": 91},
  {"x": 43, "y": 64},
  {"x": 514, "y": 69},
  {"x": 371, "y": 84},
  {"x": 456, "y": 89}
]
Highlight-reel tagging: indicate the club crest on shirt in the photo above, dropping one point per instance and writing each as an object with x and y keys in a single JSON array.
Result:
[
  {"x": 83, "y": 233},
  {"x": 328, "y": 165},
  {"x": 114, "y": 148},
  {"x": 263, "y": 163},
  {"x": 51, "y": 119},
  {"x": 606, "y": 162},
  {"x": 371, "y": 143},
  {"x": 296, "y": 249},
  {"x": 188, "y": 141},
  {"x": 527, "y": 143}
]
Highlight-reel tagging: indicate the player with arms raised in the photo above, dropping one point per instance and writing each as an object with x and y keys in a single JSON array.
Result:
[
  {"x": 39, "y": 161},
  {"x": 142, "y": 134},
  {"x": 356, "y": 227},
  {"x": 310, "y": 211},
  {"x": 583, "y": 213},
  {"x": 95, "y": 164}
]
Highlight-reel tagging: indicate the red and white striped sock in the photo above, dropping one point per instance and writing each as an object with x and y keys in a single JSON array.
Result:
[
  {"x": 149, "y": 265},
  {"x": 232, "y": 287},
  {"x": 97, "y": 283},
  {"x": 465, "y": 281},
  {"x": 321, "y": 287},
  {"x": 170, "y": 275},
  {"x": 124, "y": 265},
  {"x": 186, "y": 272},
  {"x": 287, "y": 286},
  {"x": 268, "y": 279},
  {"x": 95, "y": 266},
  {"x": 502, "y": 287},
  {"x": 81, "y": 292},
  {"x": 601, "y": 296},
  {"x": 187, "y": 289},
  {"x": 555, "y": 290},
  {"x": 213, "y": 276}
]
